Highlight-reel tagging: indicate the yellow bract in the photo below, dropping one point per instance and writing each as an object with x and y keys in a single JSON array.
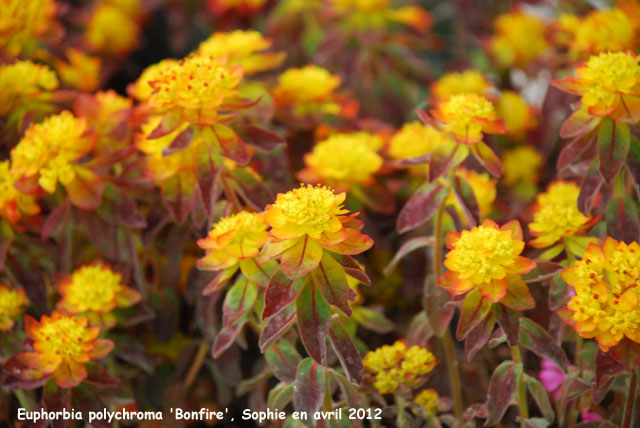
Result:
[
  {"x": 602, "y": 31},
  {"x": 517, "y": 114},
  {"x": 25, "y": 83},
  {"x": 309, "y": 89},
  {"x": 606, "y": 305},
  {"x": 606, "y": 76},
  {"x": 521, "y": 165},
  {"x": 141, "y": 88},
  {"x": 343, "y": 160},
  {"x": 11, "y": 303},
  {"x": 50, "y": 149},
  {"x": 112, "y": 30},
  {"x": 519, "y": 39},
  {"x": 398, "y": 364},
  {"x": 556, "y": 214},
  {"x": 95, "y": 288},
  {"x": 242, "y": 47},
  {"x": 22, "y": 22},
  {"x": 307, "y": 210},
  {"x": 455, "y": 83},
  {"x": 14, "y": 203},
  {"x": 428, "y": 400},
  {"x": 233, "y": 238},
  {"x": 466, "y": 116},
  {"x": 82, "y": 71}
]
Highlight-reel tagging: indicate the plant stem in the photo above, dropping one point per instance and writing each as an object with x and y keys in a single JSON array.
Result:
[
  {"x": 25, "y": 400},
  {"x": 627, "y": 418},
  {"x": 573, "y": 414},
  {"x": 449, "y": 347},
  {"x": 195, "y": 366},
  {"x": 522, "y": 391},
  {"x": 401, "y": 404}
]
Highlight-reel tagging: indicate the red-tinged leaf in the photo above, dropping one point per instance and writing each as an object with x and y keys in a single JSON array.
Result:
[
  {"x": 421, "y": 206},
  {"x": 502, "y": 387},
  {"x": 101, "y": 233},
  {"x": 579, "y": 124},
  {"x": 607, "y": 368},
  {"x": 277, "y": 326},
  {"x": 126, "y": 212},
  {"x": 378, "y": 198},
  {"x": 409, "y": 162},
  {"x": 466, "y": 200},
  {"x": 68, "y": 375},
  {"x": 534, "y": 422},
  {"x": 355, "y": 243},
  {"x": 235, "y": 149},
  {"x": 478, "y": 410},
  {"x": 614, "y": 140},
  {"x": 627, "y": 353},
  {"x": 622, "y": 220},
  {"x": 590, "y": 187},
  {"x": 252, "y": 190},
  {"x": 98, "y": 375},
  {"x": 572, "y": 387},
  {"x": 438, "y": 311},
  {"x": 346, "y": 351},
  {"x": 56, "y": 399},
  {"x": 518, "y": 296},
  {"x": 180, "y": 142},
  {"x": 239, "y": 300},
  {"x": 283, "y": 359},
  {"x": 537, "y": 340},
  {"x": 372, "y": 320},
  {"x": 479, "y": 335},
  {"x": 20, "y": 375},
  {"x": 406, "y": 248},
  {"x": 226, "y": 336},
  {"x": 633, "y": 161},
  {"x": 219, "y": 280},
  {"x": 445, "y": 157},
  {"x": 302, "y": 258},
  {"x": 473, "y": 311},
  {"x": 54, "y": 220},
  {"x": 508, "y": 319},
  {"x": 85, "y": 399},
  {"x": 573, "y": 150},
  {"x": 314, "y": 320},
  {"x": 543, "y": 270},
  {"x": 541, "y": 397},
  {"x": 85, "y": 190},
  {"x": 331, "y": 280},
  {"x": 310, "y": 388},
  {"x": 595, "y": 424},
  {"x": 101, "y": 348},
  {"x": 280, "y": 396},
  {"x": 486, "y": 156},
  {"x": 281, "y": 291},
  {"x": 258, "y": 273},
  {"x": 262, "y": 139},
  {"x": 168, "y": 124}
]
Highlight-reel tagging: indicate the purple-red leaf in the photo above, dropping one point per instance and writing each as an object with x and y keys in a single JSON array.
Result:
[
  {"x": 406, "y": 248},
  {"x": 574, "y": 150},
  {"x": 281, "y": 291},
  {"x": 502, "y": 388},
  {"x": 330, "y": 279},
  {"x": 314, "y": 320},
  {"x": 283, "y": 359},
  {"x": 466, "y": 200},
  {"x": 346, "y": 351},
  {"x": 622, "y": 220},
  {"x": 590, "y": 187},
  {"x": 262, "y": 139},
  {"x": 56, "y": 399},
  {"x": 310, "y": 388},
  {"x": 421, "y": 206},
  {"x": 613, "y": 146},
  {"x": 508, "y": 319},
  {"x": 479, "y": 335},
  {"x": 277, "y": 326},
  {"x": 180, "y": 142},
  {"x": 486, "y": 156},
  {"x": 543, "y": 270},
  {"x": 537, "y": 340},
  {"x": 474, "y": 309},
  {"x": 55, "y": 219}
]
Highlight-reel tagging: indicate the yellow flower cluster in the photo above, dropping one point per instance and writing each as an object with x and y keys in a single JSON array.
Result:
[
  {"x": 606, "y": 305},
  {"x": 456, "y": 83},
  {"x": 14, "y": 203},
  {"x": 11, "y": 303},
  {"x": 308, "y": 90},
  {"x": 374, "y": 14},
  {"x": 141, "y": 89},
  {"x": 398, "y": 364},
  {"x": 601, "y": 31},
  {"x": 196, "y": 87},
  {"x": 521, "y": 165},
  {"x": 518, "y": 116},
  {"x": 466, "y": 116},
  {"x": 343, "y": 160},
  {"x": 428, "y": 399},
  {"x": 112, "y": 29},
  {"x": 25, "y": 84},
  {"x": 82, "y": 71},
  {"x": 95, "y": 289},
  {"x": 22, "y": 22},
  {"x": 519, "y": 39},
  {"x": 415, "y": 139},
  {"x": 483, "y": 186},
  {"x": 556, "y": 215},
  {"x": 608, "y": 75},
  {"x": 49, "y": 150},
  {"x": 233, "y": 238},
  {"x": 244, "y": 48}
]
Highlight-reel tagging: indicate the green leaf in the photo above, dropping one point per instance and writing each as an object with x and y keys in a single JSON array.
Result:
[
  {"x": 239, "y": 300},
  {"x": 518, "y": 296},
  {"x": 406, "y": 248},
  {"x": 474, "y": 309},
  {"x": 281, "y": 291},
  {"x": 372, "y": 320},
  {"x": 302, "y": 258},
  {"x": 541, "y": 397},
  {"x": 314, "y": 320},
  {"x": 256, "y": 273},
  {"x": 537, "y": 340},
  {"x": 502, "y": 387},
  {"x": 422, "y": 205},
  {"x": 283, "y": 360},
  {"x": 346, "y": 351}
]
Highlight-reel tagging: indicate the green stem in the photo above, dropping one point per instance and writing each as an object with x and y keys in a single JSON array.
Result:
[
  {"x": 522, "y": 390},
  {"x": 195, "y": 366},
  {"x": 327, "y": 390},
  {"x": 627, "y": 418},
  {"x": 25, "y": 399},
  {"x": 573, "y": 414},
  {"x": 401, "y": 405}
]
